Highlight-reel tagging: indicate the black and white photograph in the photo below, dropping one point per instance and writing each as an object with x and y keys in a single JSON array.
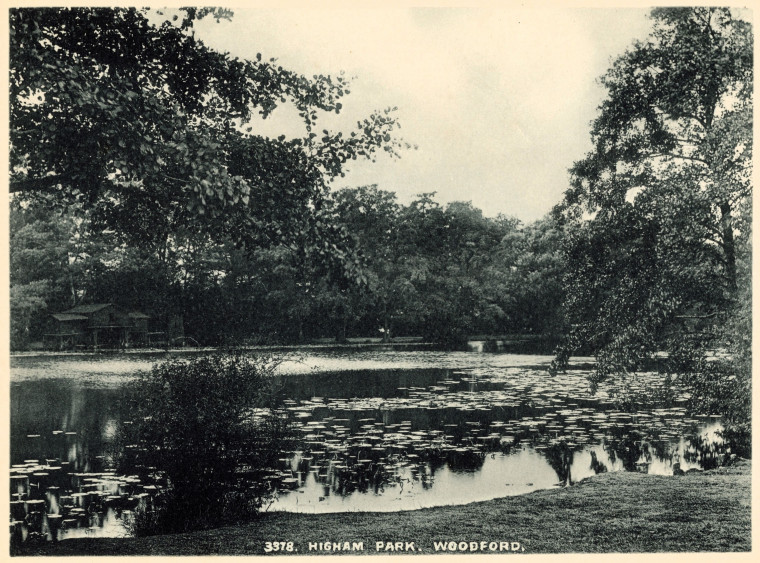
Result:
[{"x": 378, "y": 278}]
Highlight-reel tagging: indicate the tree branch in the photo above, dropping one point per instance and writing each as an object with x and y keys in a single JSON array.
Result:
[
  {"x": 673, "y": 155},
  {"x": 707, "y": 316},
  {"x": 689, "y": 141},
  {"x": 36, "y": 184},
  {"x": 173, "y": 179},
  {"x": 48, "y": 183}
]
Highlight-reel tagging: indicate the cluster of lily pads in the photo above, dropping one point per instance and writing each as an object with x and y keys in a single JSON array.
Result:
[
  {"x": 51, "y": 502},
  {"x": 372, "y": 444},
  {"x": 367, "y": 443}
]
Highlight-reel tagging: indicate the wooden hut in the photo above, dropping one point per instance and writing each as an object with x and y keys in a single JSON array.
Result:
[
  {"x": 67, "y": 331},
  {"x": 98, "y": 325}
]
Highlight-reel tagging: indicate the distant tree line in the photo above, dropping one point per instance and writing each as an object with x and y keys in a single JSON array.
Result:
[{"x": 440, "y": 272}]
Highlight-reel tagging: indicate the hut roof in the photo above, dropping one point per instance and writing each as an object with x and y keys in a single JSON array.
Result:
[
  {"x": 86, "y": 309},
  {"x": 68, "y": 317}
]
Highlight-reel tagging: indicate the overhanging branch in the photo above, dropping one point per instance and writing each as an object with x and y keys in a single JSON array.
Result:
[
  {"x": 36, "y": 184},
  {"x": 50, "y": 183}
]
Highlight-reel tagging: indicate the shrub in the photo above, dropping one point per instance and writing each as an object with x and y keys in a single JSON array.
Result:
[{"x": 203, "y": 428}]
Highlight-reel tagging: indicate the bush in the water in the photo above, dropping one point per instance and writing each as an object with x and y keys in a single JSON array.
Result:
[{"x": 196, "y": 425}]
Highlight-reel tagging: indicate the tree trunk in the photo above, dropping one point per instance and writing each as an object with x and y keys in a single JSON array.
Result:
[
  {"x": 729, "y": 246},
  {"x": 386, "y": 327},
  {"x": 340, "y": 334}
]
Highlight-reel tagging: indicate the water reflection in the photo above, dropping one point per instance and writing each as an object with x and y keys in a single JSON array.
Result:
[
  {"x": 448, "y": 428},
  {"x": 50, "y": 501},
  {"x": 383, "y": 467},
  {"x": 65, "y": 421}
]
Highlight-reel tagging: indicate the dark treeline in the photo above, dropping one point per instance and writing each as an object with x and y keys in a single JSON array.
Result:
[{"x": 443, "y": 272}]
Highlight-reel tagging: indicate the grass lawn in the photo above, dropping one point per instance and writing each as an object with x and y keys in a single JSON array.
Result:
[{"x": 613, "y": 512}]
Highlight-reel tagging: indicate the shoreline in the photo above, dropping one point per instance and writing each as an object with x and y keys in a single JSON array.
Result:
[
  {"x": 618, "y": 512},
  {"x": 202, "y": 349},
  {"x": 399, "y": 343}
]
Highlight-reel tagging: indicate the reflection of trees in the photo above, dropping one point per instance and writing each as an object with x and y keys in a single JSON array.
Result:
[
  {"x": 348, "y": 477},
  {"x": 596, "y": 465},
  {"x": 560, "y": 458},
  {"x": 626, "y": 448},
  {"x": 465, "y": 459},
  {"x": 660, "y": 447},
  {"x": 44, "y": 406},
  {"x": 631, "y": 448},
  {"x": 426, "y": 477},
  {"x": 708, "y": 454},
  {"x": 435, "y": 463}
]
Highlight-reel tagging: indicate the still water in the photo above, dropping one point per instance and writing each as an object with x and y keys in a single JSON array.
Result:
[{"x": 381, "y": 431}]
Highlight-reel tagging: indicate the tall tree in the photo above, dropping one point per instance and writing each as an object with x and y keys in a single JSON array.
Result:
[
  {"x": 149, "y": 130},
  {"x": 371, "y": 216},
  {"x": 530, "y": 265},
  {"x": 658, "y": 214},
  {"x": 448, "y": 254}
]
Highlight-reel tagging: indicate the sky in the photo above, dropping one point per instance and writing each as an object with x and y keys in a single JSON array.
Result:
[{"x": 497, "y": 101}]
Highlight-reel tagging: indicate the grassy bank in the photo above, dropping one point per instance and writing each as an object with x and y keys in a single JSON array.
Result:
[{"x": 614, "y": 512}]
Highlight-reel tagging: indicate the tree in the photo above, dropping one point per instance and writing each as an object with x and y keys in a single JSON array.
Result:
[
  {"x": 371, "y": 216},
  {"x": 470, "y": 301},
  {"x": 658, "y": 214},
  {"x": 196, "y": 423},
  {"x": 448, "y": 254},
  {"x": 148, "y": 130},
  {"x": 28, "y": 301},
  {"x": 530, "y": 265}
]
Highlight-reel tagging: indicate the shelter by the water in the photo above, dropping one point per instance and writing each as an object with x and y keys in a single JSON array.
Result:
[{"x": 98, "y": 325}]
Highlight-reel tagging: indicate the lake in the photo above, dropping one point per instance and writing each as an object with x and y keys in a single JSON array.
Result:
[{"x": 382, "y": 430}]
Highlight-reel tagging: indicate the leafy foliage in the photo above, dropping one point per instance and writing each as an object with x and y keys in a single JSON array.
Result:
[
  {"x": 149, "y": 131},
  {"x": 658, "y": 215},
  {"x": 28, "y": 301},
  {"x": 54, "y": 258},
  {"x": 195, "y": 424},
  {"x": 122, "y": 120},
  {"x": 530, "y": 266}
]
